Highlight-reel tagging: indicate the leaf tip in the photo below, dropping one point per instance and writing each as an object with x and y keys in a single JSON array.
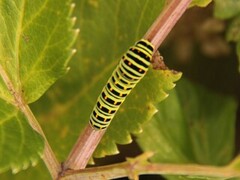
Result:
[
  {"x": 74, "y": 51},
  {"x": 151, "y": 109},
  {"x": 166, "y": 95},
  {"x": 25, "y": 165},
  {"x": 146, "y": 155},
  {"x": 173, "y": 85},
  {"x": 177, "y": 74},
  {"x": 77, "y": 30},
  {"x": 140, "y": 130},
  {"x": 73, "y": 5},
  {"x": 202, "y": 3},
  {"x": 154, "y": 110},
  {"x": 74, "y": 19},
  {"x": 34, "y": 161},
  {"x": 15, "y": 169},
  {"x": 68, "y": 69}
]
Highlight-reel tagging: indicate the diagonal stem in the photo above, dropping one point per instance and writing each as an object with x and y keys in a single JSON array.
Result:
[
  {"x": 166, "y": 21},
  {"x": 84, "y": 148},
  {"x": 88, "y": 141},
  {"x": 48, "y": 155}
]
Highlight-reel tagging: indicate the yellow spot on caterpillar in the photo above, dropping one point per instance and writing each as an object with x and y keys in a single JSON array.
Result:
[
  {"x": 129, "y": 63},
  {"x": 140, "y": 70},
  {"x": 105, "y": 97}
]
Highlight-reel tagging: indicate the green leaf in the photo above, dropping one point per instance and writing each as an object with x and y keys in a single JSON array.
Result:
[
  {"x": 194, "y": 125},
  {"x": 233, "y": 32},
  {"x": 35, "y": 47},
  {"x": 138, "y": 108},
  {"x": 200, "y": 3},
  {"x": 226, "y": 9},
  {"x": 38, "y": 172},
  {"x": 106, "y": 33},
  {"x": 20, "y": 145}
]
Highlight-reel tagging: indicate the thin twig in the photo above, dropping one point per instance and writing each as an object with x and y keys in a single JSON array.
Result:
[
  {"x": 132, "y": 168},
  {"x": 156, "y": 35},
  {"x": 48, "y": 155}
]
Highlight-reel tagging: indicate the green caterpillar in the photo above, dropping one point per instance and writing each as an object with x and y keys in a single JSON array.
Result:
[{"x": 130, "y": 70}]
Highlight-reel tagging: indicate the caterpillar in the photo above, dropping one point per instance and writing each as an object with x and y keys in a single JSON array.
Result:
[{"x": 130, "y": 70}]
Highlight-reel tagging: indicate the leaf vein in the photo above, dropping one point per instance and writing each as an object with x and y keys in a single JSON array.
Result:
[
  {"x": 17, "y": 45},
  {"x": 41, "y": 56},
  {"x": 35, "y": 15}
]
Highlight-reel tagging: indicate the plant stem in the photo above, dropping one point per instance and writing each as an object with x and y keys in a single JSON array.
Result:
[
  {"x": 165, "y": 21},
  {"x": 48, "y": 155},
  {"x": 84, "y": 148},
  {"x": 87, "y": 143},
  {"x": 132, "y": 168}
]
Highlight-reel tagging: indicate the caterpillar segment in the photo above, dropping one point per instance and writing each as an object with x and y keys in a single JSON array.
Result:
[{"x": 131, "y": 69}]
